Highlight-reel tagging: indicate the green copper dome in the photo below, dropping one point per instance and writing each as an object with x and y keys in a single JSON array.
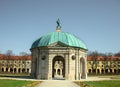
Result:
[{"x": 63, "y": 37}]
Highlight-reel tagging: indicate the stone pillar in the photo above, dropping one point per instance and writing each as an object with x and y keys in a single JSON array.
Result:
[
  {"x": 16, "y": 70},
  {"x": 96, "y": 71},
  {"x": 113, "y": 70},
  {"x": 50, "y": 67},
  {"x": 20, "y": 70},
  {"x": 108, "y": 70},
  {"x": 66, "y": 67},
  {"x": 39, "y": 64},
  {"x": 56, "y": 71},
  {"x": 79, "y": 74},
  {"x": 33, "y": 68},
  {"x": 38, "y": 67},
  {"x": 60, "y": 71},
  {"x": 4, "y": 69},
  {"x": 100, "y": 71},
  {"x": 76, "y": 67},
  {"x": 13, "y": 70},
  {"x": 26, "y": 69},
  {"x": 8, "y": 69},
  {"x": 86, "y": 67},
  {"x": 80, "y": 69},
  {"x": 104, "y": 71}
]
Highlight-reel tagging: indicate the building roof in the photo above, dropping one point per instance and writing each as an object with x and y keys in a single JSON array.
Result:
[
  {"x": 5, "y": 57},
  {"x": 103, "y": 58},
  {"x": 63, "y": 37}
]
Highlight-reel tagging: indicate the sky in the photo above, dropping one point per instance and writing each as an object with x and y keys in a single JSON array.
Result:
[{"x": 96, "y": 22}]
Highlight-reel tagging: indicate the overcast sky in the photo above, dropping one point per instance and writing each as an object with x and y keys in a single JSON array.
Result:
[{"x": 96, "y": 22}]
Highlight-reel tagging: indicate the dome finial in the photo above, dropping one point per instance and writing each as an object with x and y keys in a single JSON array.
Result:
[{"x": 58, "y": 28}]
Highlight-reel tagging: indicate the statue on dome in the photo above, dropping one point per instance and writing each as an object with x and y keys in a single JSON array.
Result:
[
  {"x": 58, "y": 28},
  {"x": 58, "y": 22}
]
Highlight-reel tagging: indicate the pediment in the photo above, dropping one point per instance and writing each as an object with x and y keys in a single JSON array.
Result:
[{"x": 58, "y": 44}]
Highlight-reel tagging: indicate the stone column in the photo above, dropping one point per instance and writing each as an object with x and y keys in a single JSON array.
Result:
[
  {"x": 100, "y": 71},
  {"x": 66, "y": 66},
  {"x": 56, "y": 71},
  {"x": 16, "y": 70},
  {"x": 79, "y": 74},
  {"x": 32, "y": 66},
  {"x": 96, "y": 71},
  {"x": 60, "y": 71},
  {"x": 4, "y": 69},
  {"x": 38, "y": 67},
  {"x": 108, "y": 70},
  {"x": 13, "y": 70},
  {"x": 20, "y": 70},
  {"x": 85, "y": 67},
  {"x": 113, "y": 70},
  {"x": 50, "y": 66},
  {"x": 8, "y": 69},
  {"x": 76, "y": 67},
  {"x": 79, "y": 68}
]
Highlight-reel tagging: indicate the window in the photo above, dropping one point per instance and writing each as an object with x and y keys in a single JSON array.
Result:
[{"x": 73, "y": 57}]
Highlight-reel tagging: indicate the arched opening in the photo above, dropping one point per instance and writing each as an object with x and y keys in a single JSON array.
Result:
[
  {"x": 118, "y": 71},
  {"x": 23, "y": 70},
  {"x": 27, "y": 70},
  {"x": 82, "y": 68},
  {"x": 110, "y": 71},
  {"x": 106, "y": 71},
  {"x": 89, "y": 71},
  {"x": 98, "y": 71},
  {"x": 19, "y": 70},
  {"x": 115, "y": 71},
  {"x": 14, "y": 70},
  {"x": 11, "y": 70},
  {"x": 58, "y": 71},
  {"x": 94, "y": 71},
  {"x": 102, "y": 71},
  {"x": 58, "y": 67},
  {"x": 2, "y": 69},
  {"x": 6, "y": 69}
]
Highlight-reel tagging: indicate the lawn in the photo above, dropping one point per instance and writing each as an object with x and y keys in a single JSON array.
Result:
[
  {"x": 106, "y": 83},
  {"x": 15, "y": 83}
]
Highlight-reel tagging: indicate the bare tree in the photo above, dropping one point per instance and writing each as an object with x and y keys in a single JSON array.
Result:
[
  {"x": 23, "y": 54},
  {"x": 9, "y": 53},
  {"x": 117, "y": 54}
]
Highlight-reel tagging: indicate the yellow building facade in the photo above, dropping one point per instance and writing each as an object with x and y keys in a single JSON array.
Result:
[
  {"x": 15, "y": 65},
  {"x": 103, "y": 66}
]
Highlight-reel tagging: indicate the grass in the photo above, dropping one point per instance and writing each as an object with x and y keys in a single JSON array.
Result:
[
  {"x": 17, "y": 83},
  {"x": 106, "y": 83},
  {"x": 23, "y": 76}
]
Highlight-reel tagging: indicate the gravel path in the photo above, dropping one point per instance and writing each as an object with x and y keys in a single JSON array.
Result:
[{"x": 57, "y": 83}]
